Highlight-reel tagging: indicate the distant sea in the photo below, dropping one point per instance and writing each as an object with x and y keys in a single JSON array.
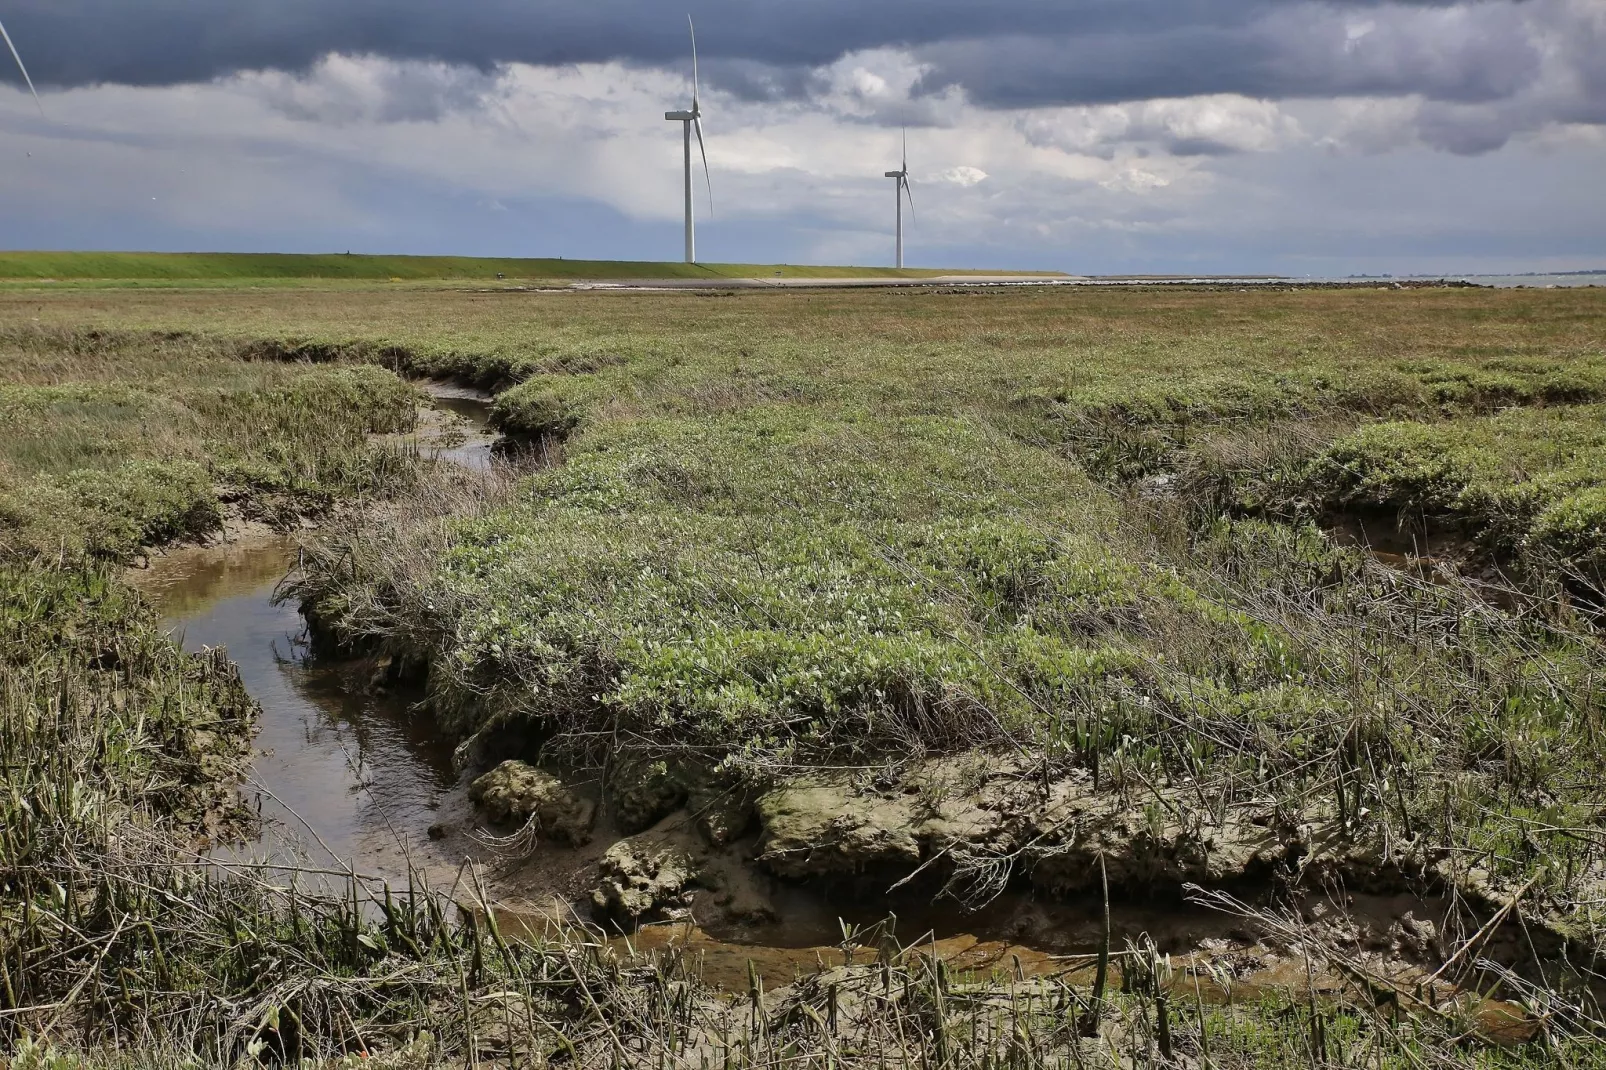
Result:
[{"x": 1536, "y": 282}]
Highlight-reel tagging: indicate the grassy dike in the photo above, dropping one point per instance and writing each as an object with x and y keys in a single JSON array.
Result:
[
  {"x": 263, "y": 267},
  {"x": 1067, "y": 548}
]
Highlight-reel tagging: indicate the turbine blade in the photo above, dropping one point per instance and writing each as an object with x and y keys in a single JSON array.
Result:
[
  {"x": 694, "y": 87},
  {"x": 907, "y": 192},
  {"x": 906, "y": 150},
  {"x": 21, "y": 67},
  {"x": 698, "y": 125}
]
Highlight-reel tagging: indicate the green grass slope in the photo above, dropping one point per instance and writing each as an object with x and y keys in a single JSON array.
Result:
[{"x": 234, "y": 266}]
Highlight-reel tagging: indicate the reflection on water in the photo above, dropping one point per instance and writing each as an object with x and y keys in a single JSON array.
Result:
[
  {"x": 472, "y": 410},
  {"x": 358, "y": 771},
  {"x": 343, "y": 771}
]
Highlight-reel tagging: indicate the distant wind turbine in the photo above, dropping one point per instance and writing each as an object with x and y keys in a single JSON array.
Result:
[
  {"x": 21, "y": 67},
  {"x": 693, "y": 120},
  {"x": 900, "y": 191}
]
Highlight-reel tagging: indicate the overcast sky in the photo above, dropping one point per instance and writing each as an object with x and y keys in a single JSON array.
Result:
[{"x": 1085, "y": 135}]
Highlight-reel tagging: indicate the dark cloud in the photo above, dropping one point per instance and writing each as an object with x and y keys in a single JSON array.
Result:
[
  {"x": 1003, "y": 51},
  {"x": 1486, "y": 68},
  {"x": 1464, "y": 53}
]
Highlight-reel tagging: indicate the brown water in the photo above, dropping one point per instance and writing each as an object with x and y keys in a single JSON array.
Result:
[
  {"x": 343, "y": 776},
  {"x": 353, "y": 779},
  {"x": 471, "y": 408},
  {"x": 346, "y": 776}
]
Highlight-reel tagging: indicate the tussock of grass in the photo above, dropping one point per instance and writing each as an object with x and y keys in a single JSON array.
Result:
[
  {"x": 104, "y": 460},
  {"x": 106, "y": 721},
  {"x": 1124, "y": 431},
  {"x": 1519, "y": 482}
]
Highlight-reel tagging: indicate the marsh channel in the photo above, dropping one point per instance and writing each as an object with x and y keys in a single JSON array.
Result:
[{"x": 348, "y": 780}]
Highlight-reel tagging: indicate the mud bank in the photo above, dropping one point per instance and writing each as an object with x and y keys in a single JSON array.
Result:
[
  {"x": 993, "y": 861},
  {"x": 348, "y": 775},
  {"x": 351, "y": 776}
]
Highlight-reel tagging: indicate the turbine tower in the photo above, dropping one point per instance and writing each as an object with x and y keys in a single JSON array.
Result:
[
  {"x": 690, "y": 121},
  {"x": 18, "y": 57},
  {"x": 901, "y": 190}
]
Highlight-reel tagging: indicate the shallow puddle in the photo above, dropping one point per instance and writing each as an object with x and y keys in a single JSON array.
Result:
[{"x": 472, "y": 410}]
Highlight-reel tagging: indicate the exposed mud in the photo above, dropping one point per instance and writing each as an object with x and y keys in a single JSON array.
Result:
[
  {"x": 1209, "y": 957},
  {"x": 1421, "y": 549},
  {"x": 353, "y": 776}
]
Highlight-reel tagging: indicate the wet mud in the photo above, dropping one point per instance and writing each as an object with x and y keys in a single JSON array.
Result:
[{"x": 353, "y": 777}]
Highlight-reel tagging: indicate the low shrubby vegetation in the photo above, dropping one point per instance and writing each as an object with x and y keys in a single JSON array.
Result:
[
  {"x": 1085, "y": 546},
  {"x": 1518, "y": 483},
  {"x": 771, "y": 592},
  {"x": 1132, "y": 429},
  {"x": 102, "y": 458}
]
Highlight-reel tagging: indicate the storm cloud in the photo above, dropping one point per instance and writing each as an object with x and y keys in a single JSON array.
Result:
[
  {"x": 1010, "y": 53},
  {"x": 1120, "y": 123}
]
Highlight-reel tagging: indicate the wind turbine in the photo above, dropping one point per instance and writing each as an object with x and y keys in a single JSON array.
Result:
[
  {"x": 18, "y": 57},
  {"x": 901, "y": 190},
  {"x": 693, "y": 120}
]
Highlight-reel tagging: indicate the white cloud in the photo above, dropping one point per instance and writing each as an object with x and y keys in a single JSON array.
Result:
[
  {"x": 1188, "y": 126},
  {"x": 265, "y": 153},
  {"x": 1217, "y": 123},
  {"x": 1135, "y": 180},
  {"x": 961, "y": 176}
]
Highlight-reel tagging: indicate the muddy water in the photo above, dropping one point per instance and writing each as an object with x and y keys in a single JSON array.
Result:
[
  {"x": 345, "y": 776},
  {"x": 341, "y": 774},
  {"x": 471, "y": 411},
  {"x": 348, "y": 777}
]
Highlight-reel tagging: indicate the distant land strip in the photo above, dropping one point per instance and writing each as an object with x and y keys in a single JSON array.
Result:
[{"x": 222, "y": 267}]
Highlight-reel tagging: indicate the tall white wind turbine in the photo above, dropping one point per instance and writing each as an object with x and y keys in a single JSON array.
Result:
[
  {"x": 21, "y": 67},
  {"x": 900, "y": 191},
  {"x": 693, "y": 121}
]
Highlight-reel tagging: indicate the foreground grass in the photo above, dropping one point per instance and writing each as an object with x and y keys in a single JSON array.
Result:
[
  {"x": 1075, "y": 530},
  {"x": 121, "y": 949}
]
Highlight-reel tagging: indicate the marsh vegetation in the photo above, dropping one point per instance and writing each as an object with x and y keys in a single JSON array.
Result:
[{"x": 1263, "y": 600}]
